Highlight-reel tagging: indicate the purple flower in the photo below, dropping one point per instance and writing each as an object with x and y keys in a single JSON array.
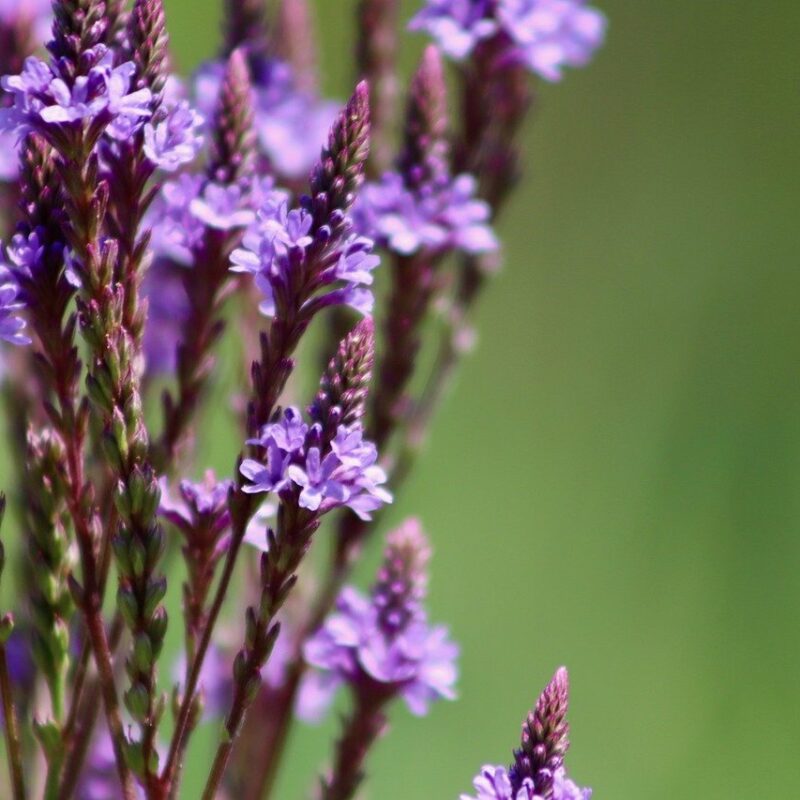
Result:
[
  {"x": 277, "y": 246},
  {"x": 441, "y": 217},
  {"x": 494, "y": 783},
  {"x": 291, "y": 124},
  {"x": 345, "y": 476},
  {"x": 11, "y": 325},
  {"x": 552, "y": 34},
  {"x": 383, "y": 645},
  {"x": 281, "y": 440},
  {"x": 344, "y": 473},
  {"x": 24, "y": 254},
  {"x": 187, "y": 206},
  {"x": 457, "y": 25},
  {"x": 538, "y": 769},
  {"x": 199, "y": 506},
  {"x": 545, "y": 35},
  {"x": 176, "y": 231},
  {"x": 222, "y": 207},
  {"x": 42, "y": 98},
  {"x": 174, "y": 140}
]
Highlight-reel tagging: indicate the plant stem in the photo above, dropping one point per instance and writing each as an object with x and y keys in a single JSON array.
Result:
[
  {"x": 13, "y": 744},
  {"x": 362, "y": 728},
  {"x": 81, "y": 720},
  {"x": 181, "y": 724}
]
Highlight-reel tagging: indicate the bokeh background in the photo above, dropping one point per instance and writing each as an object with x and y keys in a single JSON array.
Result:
[{"x": 613, "y": 482}]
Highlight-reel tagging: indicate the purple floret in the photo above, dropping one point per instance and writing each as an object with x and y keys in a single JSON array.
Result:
[
  {"x": 202, "y": 505},
  {"x": 276, "y": 246},
  {"x": 344, "y": 473},
  {"x": 100, "y": 778},
  {"x": 33, "y": 16},
  {"x": 174, "y": 140},
  {"x": 187, "y": 206},
  {"x": 44, "y": 100},
  {"x": 383, "y": 644},
  {"x": 545, "y": 35},
  {"x": 456, "y": 25},
  {"x": 494, "y": 783},
  {"x": 438, "y": 217},
  {"x": 552, "y": 34},
  {"x": 11, "y": 324}
]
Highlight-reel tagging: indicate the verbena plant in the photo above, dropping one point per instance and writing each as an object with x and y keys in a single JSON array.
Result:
[{"x": 146, "y": 215}]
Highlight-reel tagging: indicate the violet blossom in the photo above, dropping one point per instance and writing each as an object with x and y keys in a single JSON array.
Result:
[
  {"x": 175, "y": 139},
  {"x": 438, "y": 216},
  {"x": 544, "y": 35},
  {"x": 188, "y": 205},
  {"x": 343, "y": 474},
  {"x": 494, "y": 783},
  {"x": 11, "y": 324},
  {"x": 100, "y": 778},
  {"x": 279, "y": 242},
  {"x": 24, "y": 26},
  {"x": 44, "y": 99},
  {"x": 383, "y": 644},
  {"x": 197, "y": 505}
]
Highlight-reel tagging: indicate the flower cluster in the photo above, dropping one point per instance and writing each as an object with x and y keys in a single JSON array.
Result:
[
  {"x": 275, "y": 248},
  {"x": 11, "y": 324},
  {"x": 174, "y": 138},
  {"x": 45, "y": 100},
  {"x": 23, "y": 28},
  {"x": 438, "y": 217},
  {"x": 190, "y": 204},
  {"x": 545, "y": 35},
  {"x": 383, "y": 644},
  {"x": 343, "y": 473},
  {"x": 291, "y": 124},
  {"x": 494, "y": 783},
  {"x": 199, "y": 506}
]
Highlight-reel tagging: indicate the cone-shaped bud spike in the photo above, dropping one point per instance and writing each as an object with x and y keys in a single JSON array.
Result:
[
  {"x": 345, "y": 383},
  {"x": 233, "y": 148},
  {"x": 425, "y": 153},
  {"x": 402, "y": 580},
  {"x": 149, "y": 45},
  {"x": 544, "y": 738},
  {"x": 41, "y": 201},
  {"x": 340, "y": 170},
  {"x": 78, "y": 25}
]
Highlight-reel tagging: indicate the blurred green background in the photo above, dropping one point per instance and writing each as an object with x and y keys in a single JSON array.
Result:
[{"x": 613, "y": 483}]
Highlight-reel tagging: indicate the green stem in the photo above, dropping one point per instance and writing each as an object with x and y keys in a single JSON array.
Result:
[{"x": 13, "y": 744}]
